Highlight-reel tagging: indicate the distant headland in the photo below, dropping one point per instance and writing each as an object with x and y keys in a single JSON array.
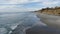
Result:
[{"x": 53, "y": 11}]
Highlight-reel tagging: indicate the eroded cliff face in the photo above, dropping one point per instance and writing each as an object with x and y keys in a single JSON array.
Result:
[{"x": 53, "y": 11}]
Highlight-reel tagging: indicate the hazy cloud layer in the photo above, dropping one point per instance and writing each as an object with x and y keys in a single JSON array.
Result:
[{"x": 27, "y": 5}]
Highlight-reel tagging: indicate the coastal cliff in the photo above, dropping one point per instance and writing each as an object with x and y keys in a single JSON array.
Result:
[
  {"x": 53, "y": 11},
  {"x": 50, "y": 16}
]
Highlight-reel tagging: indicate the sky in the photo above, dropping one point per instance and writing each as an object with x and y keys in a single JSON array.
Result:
[{"x": 26, "y": 5}]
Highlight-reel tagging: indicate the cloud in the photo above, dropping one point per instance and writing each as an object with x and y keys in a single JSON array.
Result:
[
  {"x": 28, "y": 1},
  {"x": 50, "y": 3},
  {"x": 27, "y": 5},
  {"x": 13, "y": 1}
]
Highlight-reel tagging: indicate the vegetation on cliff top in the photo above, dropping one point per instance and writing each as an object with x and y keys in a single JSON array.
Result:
[{"x": 53, "y": 11}]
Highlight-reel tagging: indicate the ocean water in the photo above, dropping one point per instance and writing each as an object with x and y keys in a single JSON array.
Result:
[{"x": 24, "y": 20}]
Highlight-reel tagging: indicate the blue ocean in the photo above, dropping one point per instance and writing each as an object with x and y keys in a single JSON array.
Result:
[{"x": 19, "y": 22}]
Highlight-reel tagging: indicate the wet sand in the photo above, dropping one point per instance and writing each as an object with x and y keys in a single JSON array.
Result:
[{"x": 42, "y": 30}]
